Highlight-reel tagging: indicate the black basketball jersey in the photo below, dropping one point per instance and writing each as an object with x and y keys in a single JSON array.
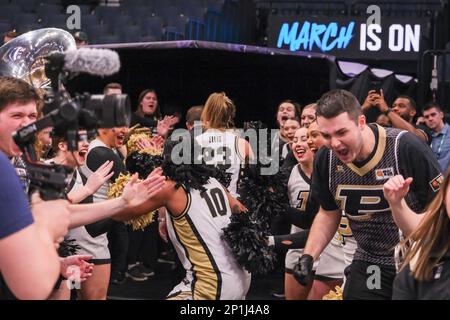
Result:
[{"x": 358, "y": 190}]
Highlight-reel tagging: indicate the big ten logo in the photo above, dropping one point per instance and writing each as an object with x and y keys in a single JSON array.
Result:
[
  {"x": 74, "y": 19},
  {"x": 73, "y": 280},
  {"x": 400, "y": 37},
  {"x": 374, "y": 280}
]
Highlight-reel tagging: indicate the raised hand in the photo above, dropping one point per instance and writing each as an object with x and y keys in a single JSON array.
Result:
[
  {"x": 158, "y": 142},
  {"x": 99, "y": 177},
  {"x": 155, "y": 142},
  {"x": 380, "y": 102},
  {"x": 163, "y": 127},
  {"x": 396, "y": 188},
  {"x": 136, "y": 193},
  {"x": 76, "y": 268}
]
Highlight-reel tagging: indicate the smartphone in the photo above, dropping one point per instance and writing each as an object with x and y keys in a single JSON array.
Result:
[{"x": 376, "y": 85}]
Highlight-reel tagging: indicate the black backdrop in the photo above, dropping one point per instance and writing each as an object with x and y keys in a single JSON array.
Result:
[{"x": 185, "y": 73}]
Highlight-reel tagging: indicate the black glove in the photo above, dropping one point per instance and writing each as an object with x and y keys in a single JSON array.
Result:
[{"x": 303, "y": 269}]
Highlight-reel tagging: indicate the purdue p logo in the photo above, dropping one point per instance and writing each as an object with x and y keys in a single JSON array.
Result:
[{"x": 361, "y": 200}]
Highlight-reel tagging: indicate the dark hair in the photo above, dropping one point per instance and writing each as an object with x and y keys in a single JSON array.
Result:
[
  {"x": 139, "y": 111},
  {"x": 297, "y": 107},
  {"x": 13, "y": 90},
  {"x": 112, "y": 85},
  {"x": 412, "y": 102},
  {"x": 431, "y": 105},
  {"x": 194, "y": 114},
  {"x": 338, "y": 101}
]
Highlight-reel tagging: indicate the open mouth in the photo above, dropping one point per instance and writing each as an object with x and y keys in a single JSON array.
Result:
[
  {"x": 121, "y": 139},
  {"x": 82, "y": 153},
  {"x": 300, "y": 151},
  {"x": 343, "y": 153}
]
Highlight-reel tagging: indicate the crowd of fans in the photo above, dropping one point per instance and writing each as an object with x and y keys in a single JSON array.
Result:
[{"x": 354, "y": 192}]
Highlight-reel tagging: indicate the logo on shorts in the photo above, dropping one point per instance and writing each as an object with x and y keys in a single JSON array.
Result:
[
  {"x": 383, "y": 174},
  {"x": 435, "y": 184}
]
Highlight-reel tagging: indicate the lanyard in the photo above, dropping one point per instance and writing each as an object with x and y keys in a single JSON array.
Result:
[{"x": 438, "y": 153}]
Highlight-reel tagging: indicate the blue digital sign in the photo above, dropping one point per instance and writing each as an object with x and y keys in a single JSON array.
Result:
[
  {"x": 349, "y": 37},
  {"x": 324, "y": 37}
]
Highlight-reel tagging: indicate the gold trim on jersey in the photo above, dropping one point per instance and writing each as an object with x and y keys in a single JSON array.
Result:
[
  {"x": 188, "y": 205},
  {"x": 302, "y": 200},
  {"x": 238, "y": 152},
  {"x": 370, "y": 200},
  {"x": 206, "y": 283},
  {"x": 376, "y": 157}
]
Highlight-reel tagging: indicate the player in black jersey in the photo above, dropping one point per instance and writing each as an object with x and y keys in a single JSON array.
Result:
[{"x": 350, "y": 177}]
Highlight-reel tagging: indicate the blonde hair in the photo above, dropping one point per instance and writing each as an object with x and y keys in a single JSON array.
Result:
[
  {"x": 431, "y": 239},
  {"x": 219, "y": 111}
]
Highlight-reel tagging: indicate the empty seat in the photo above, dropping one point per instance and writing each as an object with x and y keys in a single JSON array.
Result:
[
  {"x": 5, "y": 27},
  {"x": 85, "y": 9},
  {"x": 107, "y": 39},
  {"x": 138, "y": 13},
  {"x": 179, "y": 23},
  {"x": 26, "y": 5},
  {"x": 130, "y": 34},
  {"x": 9, "y": 12},
  {"x": 89, "y": 20},
  {"x": 170, "y": 12},
  {"x": 195, "y": 13},
  {"x": 172, "y": 34},
  {"x": 195, "y": 30},
  {"x": 29, "y": 27},
  {"x": 104, "y": 11},
  {"x": 44, "y": 10},
  {"x": 118, "y": 23},
  {"x": 152, "y": 25},
  {"x": 150, "y": 38},
  {"x": 25, "y": 18},
  {"x": 54, "y": 20}
]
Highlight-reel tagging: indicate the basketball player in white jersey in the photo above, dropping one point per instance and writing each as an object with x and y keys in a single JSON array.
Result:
[
  {"x": 198, "y": 208},
  {"x": 220, "y": 145}
]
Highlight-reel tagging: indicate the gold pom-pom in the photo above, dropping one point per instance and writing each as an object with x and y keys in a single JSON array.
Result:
[
  {"x": 334, "y": 295},
  {"x": 116, "y": 189},
  {"x": 134, "y": 139}
]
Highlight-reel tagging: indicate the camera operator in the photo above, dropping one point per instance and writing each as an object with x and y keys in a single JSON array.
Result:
[
  {"x": 18, "y": 109},
  {"x": 28, "y": 260}
]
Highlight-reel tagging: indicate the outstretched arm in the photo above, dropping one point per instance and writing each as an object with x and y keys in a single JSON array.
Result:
[{"x": 128, "y": 205}]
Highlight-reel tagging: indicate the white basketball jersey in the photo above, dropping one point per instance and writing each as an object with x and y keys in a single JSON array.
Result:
[
  {"x": 221, "y": 148},
  {"x": 196, "y": 236}
]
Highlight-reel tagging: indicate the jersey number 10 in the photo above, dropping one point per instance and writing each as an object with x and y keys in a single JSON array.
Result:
[{"x": 215, "y": 201}]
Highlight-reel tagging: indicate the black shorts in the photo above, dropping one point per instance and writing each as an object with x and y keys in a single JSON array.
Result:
[{"x": 368, "y": 281}]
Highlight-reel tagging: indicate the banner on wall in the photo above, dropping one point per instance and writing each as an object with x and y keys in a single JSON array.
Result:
[{"x": 350, "y": 37}]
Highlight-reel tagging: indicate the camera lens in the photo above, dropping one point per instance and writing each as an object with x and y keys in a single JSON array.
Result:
[{"x": 111, "y": 110}]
